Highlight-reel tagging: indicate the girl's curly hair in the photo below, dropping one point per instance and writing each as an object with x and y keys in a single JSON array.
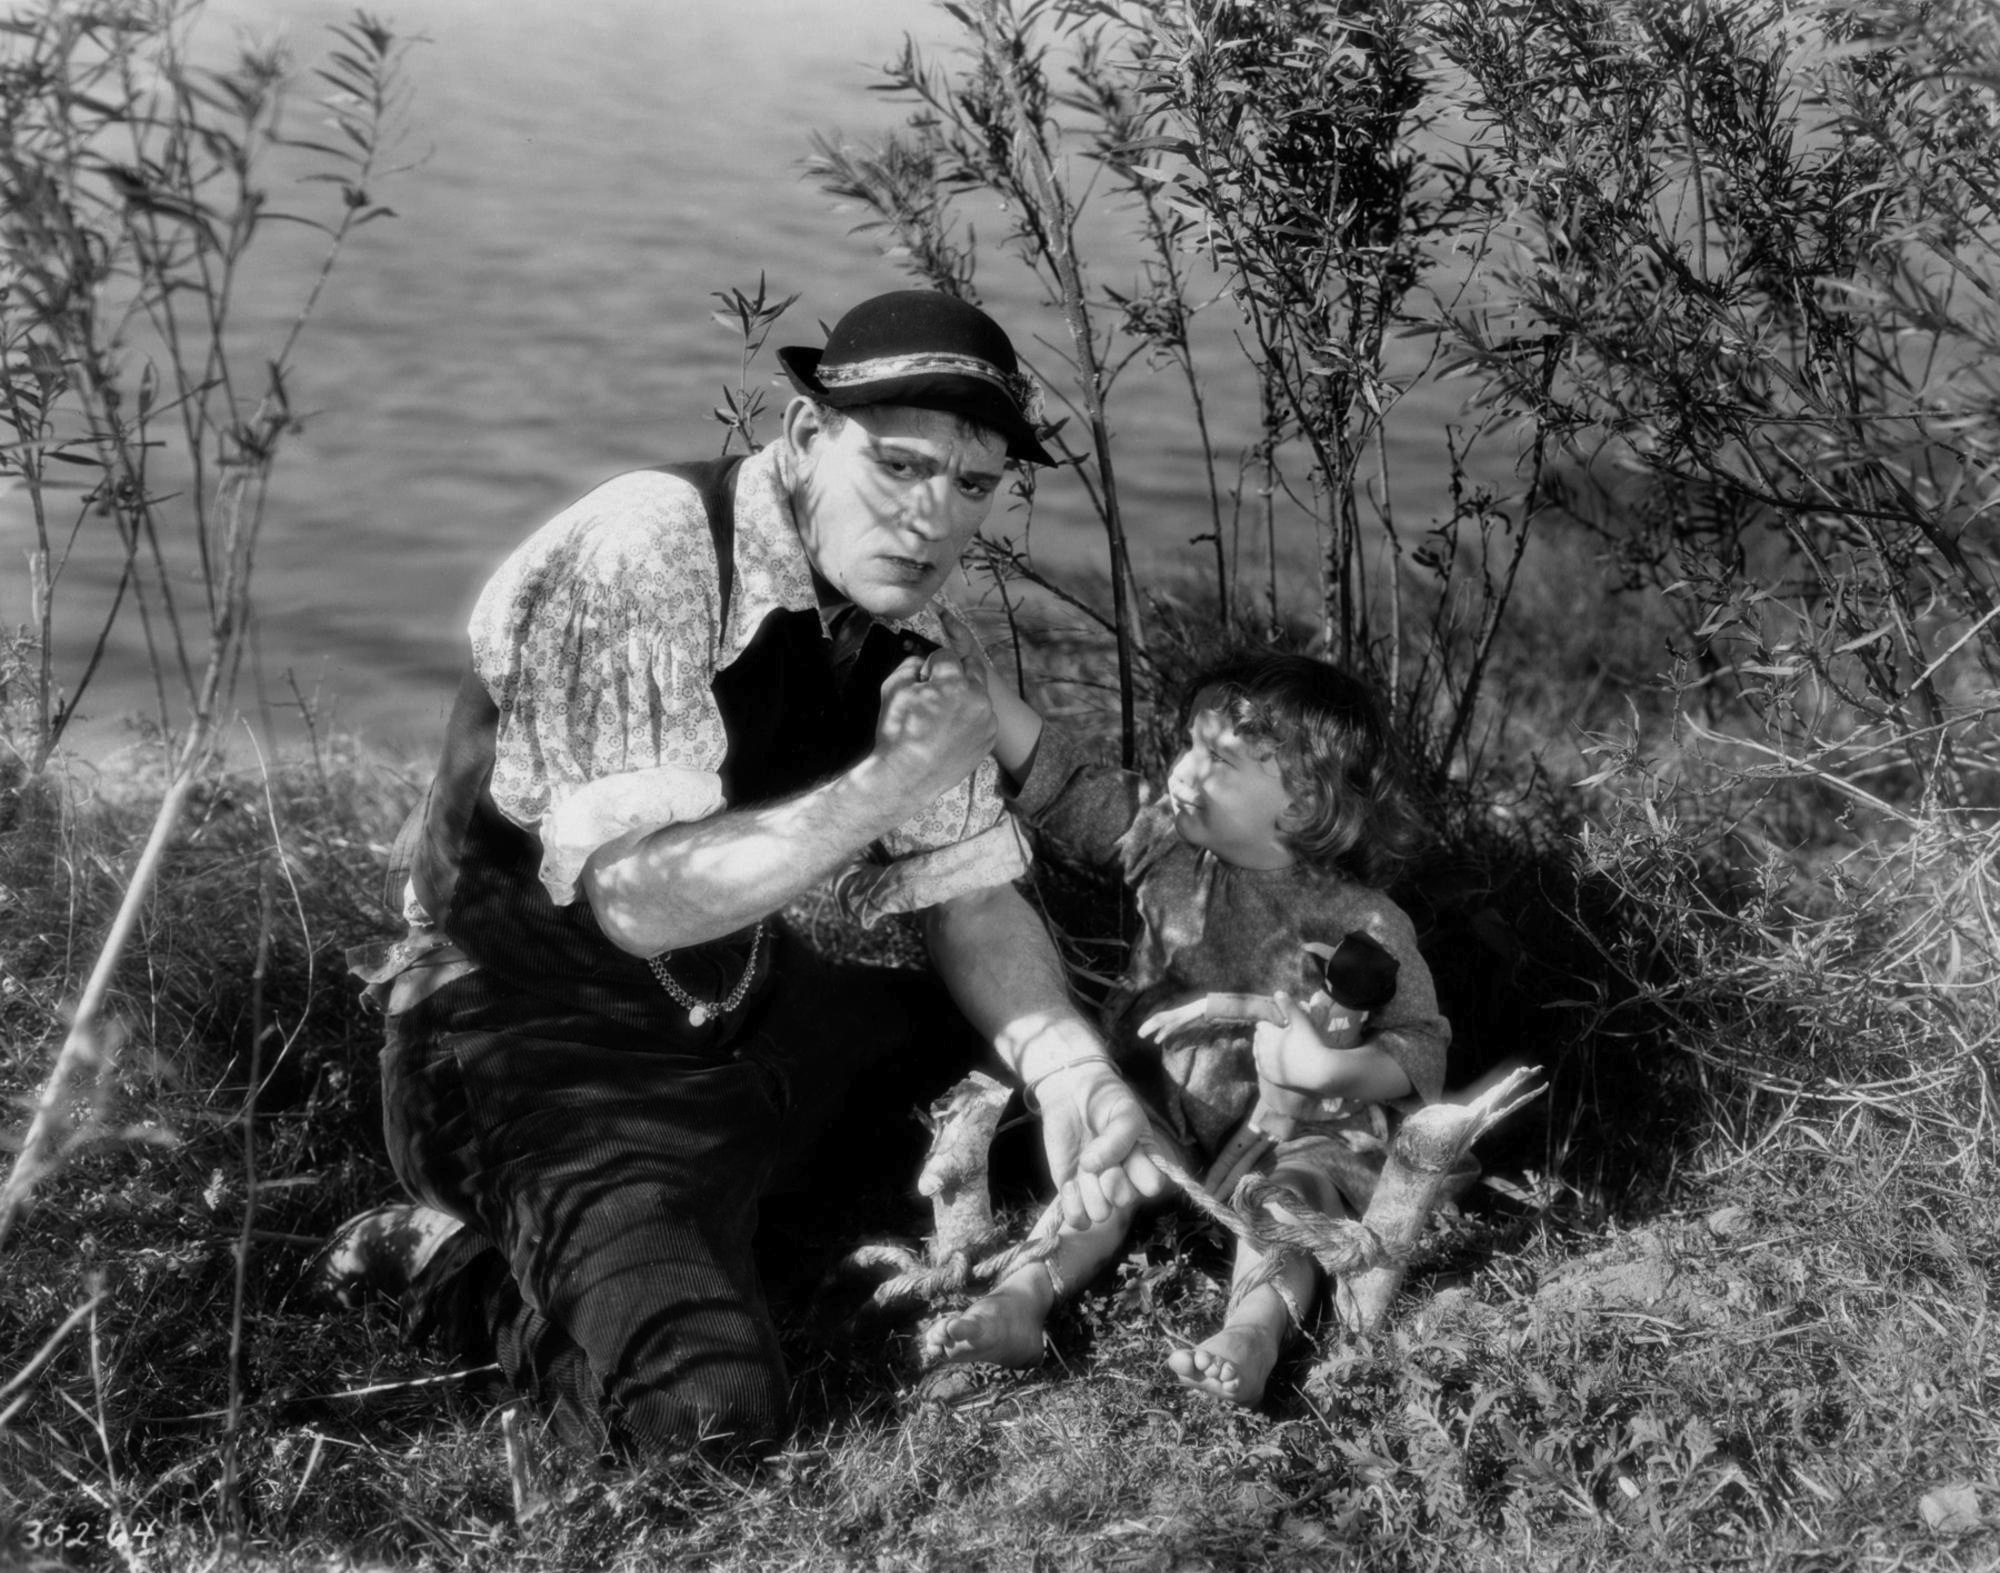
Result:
[{"x": 1334, "y": 753}]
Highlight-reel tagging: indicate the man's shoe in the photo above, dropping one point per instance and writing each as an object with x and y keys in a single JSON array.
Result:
[{"x": 380, "y": 1252}]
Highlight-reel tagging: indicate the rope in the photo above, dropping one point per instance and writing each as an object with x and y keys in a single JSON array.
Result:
[
  {"x": 1265, "y": 1214},
  {"x": 916, "y": 1278},
  {"x": 1340, "y": 1245}
]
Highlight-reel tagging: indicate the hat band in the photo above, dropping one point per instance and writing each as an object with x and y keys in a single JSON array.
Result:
[{"x": 1024, "y": 391}]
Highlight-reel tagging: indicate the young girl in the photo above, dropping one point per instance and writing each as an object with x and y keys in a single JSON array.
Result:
[{"x": 1253, "y": 868}]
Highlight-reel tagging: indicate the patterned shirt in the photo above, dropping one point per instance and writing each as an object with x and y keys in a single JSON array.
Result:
[{"x": 599, "y": 638}]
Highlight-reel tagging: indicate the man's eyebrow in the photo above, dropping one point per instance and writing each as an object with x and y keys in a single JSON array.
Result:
[{"x": 890, "y": 447}]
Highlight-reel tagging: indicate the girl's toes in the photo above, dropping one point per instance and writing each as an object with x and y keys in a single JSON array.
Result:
[{"x": 1204, "y": 1370}]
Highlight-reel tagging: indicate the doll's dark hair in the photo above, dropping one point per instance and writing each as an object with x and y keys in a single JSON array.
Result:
[{"x": 1334, "y": 752}]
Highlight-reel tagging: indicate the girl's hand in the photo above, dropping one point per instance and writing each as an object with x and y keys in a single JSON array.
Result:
[
  {"x": 964, "y": 643},
  {"x": 1018, "y": 725},
  {"x": 1291, "y": 1054}
]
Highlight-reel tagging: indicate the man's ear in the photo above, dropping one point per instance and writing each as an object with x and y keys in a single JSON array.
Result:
[{"x": 803, "y": 424}]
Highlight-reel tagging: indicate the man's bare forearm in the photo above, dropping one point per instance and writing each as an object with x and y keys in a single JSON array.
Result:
[
  {"x": 684, "y": 884},
  {"x": 688, "y": 883},
  {"x": 997, "y": 959}
]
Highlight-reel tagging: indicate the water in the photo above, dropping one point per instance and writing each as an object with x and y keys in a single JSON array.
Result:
[{"x": 538, "y": 318}]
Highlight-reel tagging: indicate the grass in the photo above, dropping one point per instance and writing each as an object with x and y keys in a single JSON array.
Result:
[{"x": 1727, "y": 1304}]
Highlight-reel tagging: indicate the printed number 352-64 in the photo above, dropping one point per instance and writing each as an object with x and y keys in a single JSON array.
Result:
[{"x": 65, "y": 1536}]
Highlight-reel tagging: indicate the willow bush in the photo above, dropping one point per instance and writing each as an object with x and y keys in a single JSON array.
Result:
[
  {"x": 1717, "y": 284},
  {"x": 1757, "y": 245},
  {"x": 141, "y": 415},
  {"x": 1743, "y": 272},
  {"x": 1270, "y": 165},
  {"x": 132, "y": 189}
]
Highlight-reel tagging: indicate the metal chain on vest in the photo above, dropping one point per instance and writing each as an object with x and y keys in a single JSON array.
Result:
[{"x": 700, "y": 1010}]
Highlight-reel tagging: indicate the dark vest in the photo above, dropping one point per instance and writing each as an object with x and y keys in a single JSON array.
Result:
[{"x": 790, "y": 723}]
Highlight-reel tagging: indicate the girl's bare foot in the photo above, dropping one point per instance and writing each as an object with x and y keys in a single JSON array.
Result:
[
  {"x": 1234, "y": 1364},
  {"x": 1002, "y": 1328}
]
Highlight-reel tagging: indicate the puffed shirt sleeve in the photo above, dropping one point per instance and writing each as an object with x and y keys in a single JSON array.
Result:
[
  {"x": 1410, "y": 1028},
  {"x": 597, "y": 640}
]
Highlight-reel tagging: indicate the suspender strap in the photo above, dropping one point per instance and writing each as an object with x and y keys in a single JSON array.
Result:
[{"x": 715, "y": 480}]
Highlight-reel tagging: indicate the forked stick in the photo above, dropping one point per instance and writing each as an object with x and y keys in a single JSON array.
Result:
[
  {"x": 963, "y": 1123},
  {"x": 1428, "y": 1146},
  {"x": 954, "y": 1177}
]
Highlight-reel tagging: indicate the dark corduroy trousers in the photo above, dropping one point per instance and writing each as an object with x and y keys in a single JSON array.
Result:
[{"x": 611, "y": 1184}]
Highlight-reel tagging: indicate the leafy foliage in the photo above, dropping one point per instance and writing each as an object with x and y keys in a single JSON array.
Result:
[
  {"x": 1744, "y": 277},
  {"x": 1723, "y": 274},
  {"x": 133, "y": 188}
]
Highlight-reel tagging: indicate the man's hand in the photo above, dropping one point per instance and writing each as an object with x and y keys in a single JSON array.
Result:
[
  {"x": 935, "y": 725},
  {"x": 996, "y": 958},
  {"x": 1096, "y": 1135},
  {"x": 688, "y": 882}
]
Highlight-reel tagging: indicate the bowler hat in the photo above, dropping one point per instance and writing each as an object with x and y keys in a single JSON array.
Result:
[{"x": 933, "y": 351}]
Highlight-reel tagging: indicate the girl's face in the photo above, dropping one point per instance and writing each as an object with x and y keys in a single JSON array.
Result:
[{"x": 1229, "y": 797}]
